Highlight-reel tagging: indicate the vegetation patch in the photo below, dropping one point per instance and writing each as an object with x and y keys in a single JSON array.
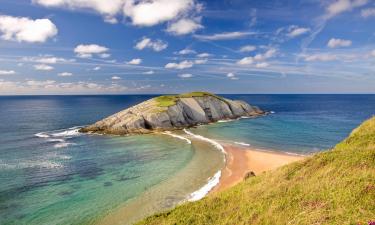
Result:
[
  {"x": 332, "y": 187},
  {"x": 170, "y": 100}
]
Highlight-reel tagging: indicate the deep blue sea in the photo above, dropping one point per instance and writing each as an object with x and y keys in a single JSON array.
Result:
[{"x": 50, "y": 174}]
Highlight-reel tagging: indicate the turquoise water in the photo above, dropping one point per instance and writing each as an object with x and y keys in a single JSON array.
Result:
[{"x": 49, "y": 174}]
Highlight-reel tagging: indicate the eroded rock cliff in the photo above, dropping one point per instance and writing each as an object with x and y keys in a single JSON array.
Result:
[{"x": 173, "y": 112}]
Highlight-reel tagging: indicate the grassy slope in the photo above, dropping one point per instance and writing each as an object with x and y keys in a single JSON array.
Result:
[
  {"x": 170, "y": 100},
  {"x": 333, "y": 187}
]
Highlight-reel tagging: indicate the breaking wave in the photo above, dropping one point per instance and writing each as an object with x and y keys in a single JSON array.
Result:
[
  {"x": 203, "y": 191},
  {"x": 177, "y": 136}
]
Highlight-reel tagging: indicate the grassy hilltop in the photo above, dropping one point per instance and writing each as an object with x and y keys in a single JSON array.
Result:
[{"x": 332, "y": 187}]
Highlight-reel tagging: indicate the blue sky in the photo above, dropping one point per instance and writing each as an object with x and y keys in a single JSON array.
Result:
[{"x": 164, "y": 46}]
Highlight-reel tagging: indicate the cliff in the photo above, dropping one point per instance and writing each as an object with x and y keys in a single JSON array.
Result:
[{"x": 173, "y": 112}]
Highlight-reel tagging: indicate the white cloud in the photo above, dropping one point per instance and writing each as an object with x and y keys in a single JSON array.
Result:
[
  {"x": 232, "y": 76},
  {"x": 135, "y": 62},
  {"x": 43, "y": 67},
  {"x": 7, "y": 72},
  {"x": 116, "y": 78},
  {"x": 268, "y": 54},
  {"x": 204, "y": 55},
  {"x": 186, "y": 51},
  {"x": 87, "y": 51},
  {"x": 248, "y": 48},
  {"x": 152, "y": 12},
  {"x": 25, "y": 29},
  {"x": 108, "y": 8},
  {"x": 246, "y": 61},
  {"x": 104, "y": 55},
  {"x": 47, "y": 59},
  {"x": 340, "y": 6},
  {"x": 65, "y": 74},
  {"x": 157, "y": 45},
  {"x": 262, "y": 65},
  {"x": 200, "y": 61},
  {"x": 323, "y": 57},
  {"x": 97, "y": 68},
  {"x": 186, "y": 75},
  {"x": 295, "y": 31},
  {"x": 224, "y": 36},
  {"x": 258, "y": 58},
  {"x": 150, "y": 72},
  {"x": 335, "y": 43},
  {"x": 182, "y": 65},
  {"x": 184, "y": 26},
  {"x": 373, "y": 53},
  {"x": 365, "y": 13}
]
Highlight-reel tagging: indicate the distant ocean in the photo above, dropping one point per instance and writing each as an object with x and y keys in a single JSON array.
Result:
[{"x": 51, "y": 174}]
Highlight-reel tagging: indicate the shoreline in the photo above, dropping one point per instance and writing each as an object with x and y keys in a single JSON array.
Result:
[{"x": 241, "y": 160}]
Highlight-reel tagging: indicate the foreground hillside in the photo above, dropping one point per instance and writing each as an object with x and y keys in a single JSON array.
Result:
[{"x": 333, "y": 187}]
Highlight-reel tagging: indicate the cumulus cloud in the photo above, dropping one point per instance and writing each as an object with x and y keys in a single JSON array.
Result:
[
  {"x": 43, "y": 67},
  {"x": 65, "y": 74},
  {"x": 340, "y": 6},
  {"x": 370, "y": 12},
  {"x": 182, "y": 65},
  {"x": 295, "y": 31},
  {"x": 7, "y": 72},
  {"x": 152, "y": 12},
  {"x": 246, "y": 61},
  {"x": 135, "y": 62},
  {"x": 335, "y": 43},
  {"x": 260, "y": 58},
  {"x": 184, "y": 26},
  {"x": 248, "y": 48},
  {"x": 23, "y": 29},
  {"x": 109, "y": 7},
  {"x": 185, "y": 75},
  {"x": 204, "y": 55},
  {"x": 157, "y": 45},
  {"x": 116, "y": 78},
  {"x": 224, "y": 36},
  {"x": 186, "y": 51},
  {"x": 150, "y": 72},
  {"x": 232, "y": 76},
  {"x": 87, "y": 51}
]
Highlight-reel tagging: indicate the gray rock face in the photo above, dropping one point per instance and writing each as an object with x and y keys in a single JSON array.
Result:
[{"x": 149, "y": 116}]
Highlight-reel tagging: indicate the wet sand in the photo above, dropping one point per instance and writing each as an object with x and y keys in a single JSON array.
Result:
[{"x": 241, "y": 160}]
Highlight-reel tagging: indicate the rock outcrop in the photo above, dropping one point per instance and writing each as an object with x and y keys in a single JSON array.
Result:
[{"x": 173, "y": 112}]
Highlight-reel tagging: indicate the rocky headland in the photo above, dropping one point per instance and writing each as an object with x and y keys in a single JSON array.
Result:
[{"x": 173, "y": 112}]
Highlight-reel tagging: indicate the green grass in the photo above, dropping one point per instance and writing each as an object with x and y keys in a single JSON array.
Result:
[
  {"x": 170, "y": 100},
  {"x": 332, "y": 187}
]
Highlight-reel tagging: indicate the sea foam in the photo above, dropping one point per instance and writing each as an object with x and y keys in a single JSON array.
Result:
[
  {"x": 177, "y": 136},
  {"x": 214, "y": 143},
  {"x": 203, "y": 191}
]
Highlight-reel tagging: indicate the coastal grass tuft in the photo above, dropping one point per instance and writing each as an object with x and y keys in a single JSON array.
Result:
[
  {"x": 332, "y": 187},
  {"x": 170, "y": 100}
]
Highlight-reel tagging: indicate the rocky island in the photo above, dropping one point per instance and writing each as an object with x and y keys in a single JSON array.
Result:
[{"x": 171, "y": 112}]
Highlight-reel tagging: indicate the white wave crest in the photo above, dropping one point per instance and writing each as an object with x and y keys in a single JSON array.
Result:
[
  {"x": 203, "y": 191},
  {"x": 42, "y": 135},
  {"x": 67, "y": 133},
  {"x": 177, "y": 136},
  {"x": 214, "y": 143},
  {"x": 242, "y": 143}
]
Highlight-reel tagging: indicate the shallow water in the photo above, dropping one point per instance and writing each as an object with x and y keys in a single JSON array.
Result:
[{"x": 50, "y": 174}]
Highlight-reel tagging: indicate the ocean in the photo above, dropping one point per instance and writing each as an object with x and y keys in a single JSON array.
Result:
[{"x": 51, "y": 174}]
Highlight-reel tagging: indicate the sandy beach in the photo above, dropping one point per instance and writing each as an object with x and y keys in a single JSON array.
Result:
[{"x": 241, "y": 160}]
